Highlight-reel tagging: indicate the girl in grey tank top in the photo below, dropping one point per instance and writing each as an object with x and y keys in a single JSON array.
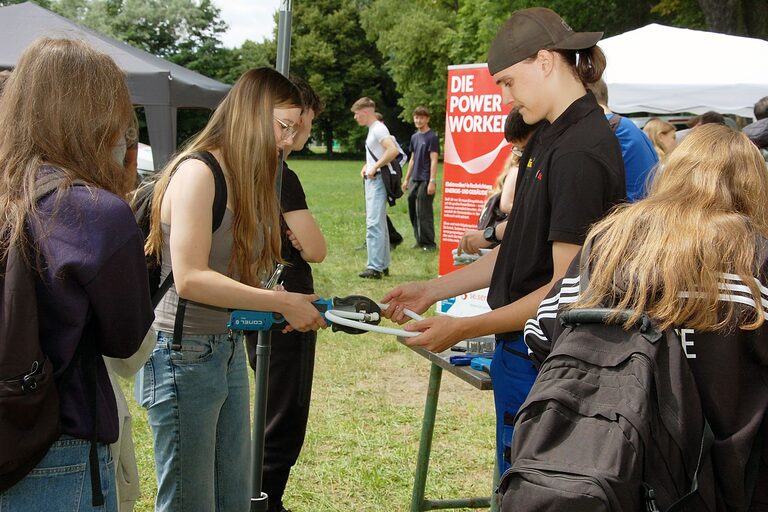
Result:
[{"x": 195, "y": 388}]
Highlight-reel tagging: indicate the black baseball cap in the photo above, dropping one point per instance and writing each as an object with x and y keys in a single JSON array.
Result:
[{"x": 529, "y": 30}]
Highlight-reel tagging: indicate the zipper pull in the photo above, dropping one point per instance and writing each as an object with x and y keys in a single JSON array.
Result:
[{"x": 650, "y": 499}]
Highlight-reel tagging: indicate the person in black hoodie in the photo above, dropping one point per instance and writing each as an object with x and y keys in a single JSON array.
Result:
[
  {"x": 694, "y": 256},
  {"x": 63, "y": 115}
]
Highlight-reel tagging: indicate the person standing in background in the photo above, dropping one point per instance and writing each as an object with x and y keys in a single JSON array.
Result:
[
  {"x": 636, "y": 148},
  {"x": 662, "y": 136},
  {"x": 380, "y": 150},
  {"x": 395, "y": 238},
  {"x": 420, "y": 181}
]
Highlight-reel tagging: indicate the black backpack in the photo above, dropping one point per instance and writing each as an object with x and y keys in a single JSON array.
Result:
[
  {"x": 30, "y": 418},
  {"x": 613, "y": 422},
  {"x": 392, "y": 175},
  {"x": 142, "y": 208}
]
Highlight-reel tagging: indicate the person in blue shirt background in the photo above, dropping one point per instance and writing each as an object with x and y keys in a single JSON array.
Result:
[
  {"x": 421, "y": 181},
  {"x": 636, "y": 148}
]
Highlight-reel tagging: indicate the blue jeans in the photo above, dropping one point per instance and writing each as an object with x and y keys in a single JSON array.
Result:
[
  {"x": 62, "y": 481},
  {"x": 376, "y": 234},
  {"x": 512, "y": 374},
  {"x": 198, "y": 406}
]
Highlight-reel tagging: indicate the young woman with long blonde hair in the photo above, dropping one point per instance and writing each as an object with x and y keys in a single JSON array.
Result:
[
  {"x": 693, "y": 256},
  {"x": 63, "y": 118},
  {"x": 196, "y": 388}
]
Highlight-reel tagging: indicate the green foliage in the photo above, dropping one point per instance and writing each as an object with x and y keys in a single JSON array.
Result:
[
  {"x": 330, "y": 51},
  {"x": 416, "y": 40},
  {"x": 477, "y": 22},
  {"x": 186, "y": 32},
  {"x": 46, "y": 4},
  {"x": 680, "y": 13}
]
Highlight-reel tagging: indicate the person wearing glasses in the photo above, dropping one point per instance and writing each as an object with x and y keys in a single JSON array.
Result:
[{"x": 196, "y": 389}]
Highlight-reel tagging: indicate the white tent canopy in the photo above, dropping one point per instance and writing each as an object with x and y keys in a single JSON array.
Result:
[{"x": 668, "y": 70}]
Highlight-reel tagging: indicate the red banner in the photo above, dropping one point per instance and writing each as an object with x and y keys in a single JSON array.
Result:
[{"x": 475, "y": 151}]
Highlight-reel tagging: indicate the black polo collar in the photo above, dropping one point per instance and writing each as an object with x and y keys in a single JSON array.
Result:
[{"x": 578, "y": 110}]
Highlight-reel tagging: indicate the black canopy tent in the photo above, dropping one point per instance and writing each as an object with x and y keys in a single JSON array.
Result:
[{"x": 161, "y": 87}]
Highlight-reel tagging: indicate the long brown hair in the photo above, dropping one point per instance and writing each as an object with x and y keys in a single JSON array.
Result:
[
  {"x": 587, "y": 65},
  {"x": 241, "y": 129},
  {"x": 705, "y": 216},
  {"x": 64, "y": 105}
]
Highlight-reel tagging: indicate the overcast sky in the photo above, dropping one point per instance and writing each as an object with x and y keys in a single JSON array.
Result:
[{"x": 247, "y": 19}]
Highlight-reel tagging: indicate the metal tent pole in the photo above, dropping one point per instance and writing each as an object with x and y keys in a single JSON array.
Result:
[{"x": 259, "y": 499}]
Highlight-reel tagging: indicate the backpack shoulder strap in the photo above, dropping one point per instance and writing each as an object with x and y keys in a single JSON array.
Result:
[
  {"x": 614, "y": 121},
  {"x": 219, "y": 208},
  {"x": 220, "y": 183}
]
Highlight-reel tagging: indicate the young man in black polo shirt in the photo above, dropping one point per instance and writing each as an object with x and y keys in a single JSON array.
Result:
[{"x": 571, "y": 173}]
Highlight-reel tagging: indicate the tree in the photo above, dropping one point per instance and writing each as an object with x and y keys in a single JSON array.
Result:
[
  {"x": 45, "y": 4},
  {"x": 186, "y": 32},
  {"x": 416, "y": 39},
  {"x": 330, "y": 51}
]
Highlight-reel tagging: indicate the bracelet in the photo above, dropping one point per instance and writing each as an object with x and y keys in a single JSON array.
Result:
[{"x": 432, "y": 180}]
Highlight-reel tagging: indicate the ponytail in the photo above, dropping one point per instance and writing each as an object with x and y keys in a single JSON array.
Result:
[{"x": 588, "y": 64}]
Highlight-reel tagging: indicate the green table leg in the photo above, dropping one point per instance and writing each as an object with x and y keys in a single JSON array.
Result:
[
  {"x": 425, "y": 441},
  {"x": 494, "y": 504}
]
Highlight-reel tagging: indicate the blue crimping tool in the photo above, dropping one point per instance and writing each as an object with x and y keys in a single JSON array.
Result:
[
  {"x": 244, "y": 320},
  {"x": 481, "y": 364},
  {"x": 460, "y": 360}
]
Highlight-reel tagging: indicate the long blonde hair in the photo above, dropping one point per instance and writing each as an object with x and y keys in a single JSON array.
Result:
[
  {"x": 704, "y": 216},
  {"x": 654, "y": 129},
  {"x": 64, "y": 105},
  {"x": 241, "y": 128}
]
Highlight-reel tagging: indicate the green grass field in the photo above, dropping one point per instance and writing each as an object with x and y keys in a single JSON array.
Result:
[{"x": 369, "y": 391}]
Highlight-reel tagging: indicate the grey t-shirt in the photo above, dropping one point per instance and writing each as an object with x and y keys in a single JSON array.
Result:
[{"x": 199, "y": 318}]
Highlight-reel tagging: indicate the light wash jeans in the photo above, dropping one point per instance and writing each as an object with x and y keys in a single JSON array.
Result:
[
  {"x": 62, "y": 481},
  {"x": 376, "y": 233},
  {"x": 198, "y": 406}
]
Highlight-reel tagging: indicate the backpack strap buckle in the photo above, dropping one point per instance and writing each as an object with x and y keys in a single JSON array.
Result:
[{"x": 29, "y": 381}]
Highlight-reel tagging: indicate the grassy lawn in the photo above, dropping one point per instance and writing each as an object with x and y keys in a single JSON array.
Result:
[{"x": 369, "y": 391}]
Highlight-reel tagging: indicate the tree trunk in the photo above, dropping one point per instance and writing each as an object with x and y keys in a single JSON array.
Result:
[
  {"x": 328, "y": 140},
  {"x": 755, "y": 13},
  {"x": 723, "y": 16}
]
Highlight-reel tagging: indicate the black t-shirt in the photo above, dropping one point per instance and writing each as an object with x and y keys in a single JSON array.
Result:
[
  {"x": 571, "y": 174},
  {"x": 297, "y": 276}
]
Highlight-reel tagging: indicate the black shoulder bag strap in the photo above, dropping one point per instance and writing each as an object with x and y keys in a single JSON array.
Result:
[
  {"x": 614, "y": 122},
  {"x": 219, "y": 208},
  {"x": 375, "y": 158},
  {"x": 88, "y": 361}
]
